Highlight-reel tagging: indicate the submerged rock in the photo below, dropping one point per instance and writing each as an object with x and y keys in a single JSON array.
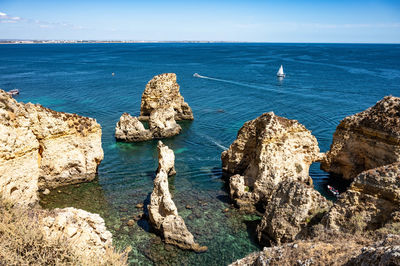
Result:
[
  {"x": 366, "y": 140},
  {"x": 41, "y": 148},
  {"x": 87, "y": 231},
  {"x": 163, "y": 92},
  {"x": 293, "y": 207},
  {"x": 372, "y": 201},
  {"x": 268, "y": 150},
  {"x": 163, "y": 213}
]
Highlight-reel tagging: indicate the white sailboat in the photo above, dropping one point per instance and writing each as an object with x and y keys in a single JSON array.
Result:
[{"x": 280, "y": 73}]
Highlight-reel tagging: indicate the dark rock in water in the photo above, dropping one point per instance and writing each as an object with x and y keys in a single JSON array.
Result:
[
  {"x": 130, "y": 223},
  {"x": 366, "y": 140},
  {"x": 139, "y": 205}
]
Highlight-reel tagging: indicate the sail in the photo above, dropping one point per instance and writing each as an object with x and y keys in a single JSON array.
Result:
[{"x": 280, "y": 71}]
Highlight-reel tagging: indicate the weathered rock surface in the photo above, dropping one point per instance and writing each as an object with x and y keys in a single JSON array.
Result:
[
  {"x": 310, "y": 252},
  {"x": 41, "y": 148},
  {"x": 366, "y": 140},
  {"x": 268, "y": 150},
  {"x": 130, "y": 129},
  {"x": 292, "y": 207},
  {"x": 161, "y": 125},
  {"x": 385, "y": 252},
  {"x": 163, "y": 213},
  {"x": 85, "y": 230},
  {"x": 372, "y": 200},
  {"x": 163, "y": 92}
]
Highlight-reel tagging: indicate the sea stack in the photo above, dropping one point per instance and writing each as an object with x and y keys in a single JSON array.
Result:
[
  {"x": 41, "y": 148},
  {"x": 163, "y": 213},
  {"x": 267, "y": 151},
  {"x": 162, "y": 91},
  {"x": 366, "y": 140},
  {"x": 162, "y": 105}
]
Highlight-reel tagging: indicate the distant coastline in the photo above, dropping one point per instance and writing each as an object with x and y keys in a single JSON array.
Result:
[{"x": 101, "y": 41}]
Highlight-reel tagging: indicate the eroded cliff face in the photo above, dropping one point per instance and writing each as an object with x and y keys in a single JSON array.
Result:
[
  {"x": 366, "y": 140},
  {"x": 372, "y": 201},
  {"x": 292, "y": 208},
  {"x": 267, "y": 151},
  {"x": 163, "y": 92},
  {"x": 163, "y": 213},
  {"x": 87, "y": 231},
  {"x": 41, "y": 148}
]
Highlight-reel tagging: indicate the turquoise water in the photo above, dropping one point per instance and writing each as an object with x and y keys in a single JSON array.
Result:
[{"x": 324, "y": 83}]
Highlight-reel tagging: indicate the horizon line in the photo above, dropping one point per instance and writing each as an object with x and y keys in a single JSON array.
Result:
[{"x": 81, "y": 41}]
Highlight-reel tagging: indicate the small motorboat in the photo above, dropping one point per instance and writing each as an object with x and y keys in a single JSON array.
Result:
[
  {"x": 280, "y": 73},
  {"x": 13, "y": 92},
  {"x": 333, "y": 191},
  {"x": 196, "y": 75}
]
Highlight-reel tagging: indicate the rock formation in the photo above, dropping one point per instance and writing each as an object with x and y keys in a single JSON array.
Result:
[
  {"x": 366, "y": 140},
  {"x": 293, "y": 206},
  {"x": 41, "y": 148},
  {"x": 130, "y": 129},
  {"x": 268, "y": 150},
  {"x": 372, "y": 200},
  {"x": 85, "y": 230},
  {"x": 384, "y": 252},
  {"x": 163, "y": 213},
  {"x": 163, "y": 92},
  {"x": 162, "y": 104}
]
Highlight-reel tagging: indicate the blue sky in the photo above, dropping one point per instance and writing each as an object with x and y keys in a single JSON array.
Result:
[{"x": 251, "y": 20}]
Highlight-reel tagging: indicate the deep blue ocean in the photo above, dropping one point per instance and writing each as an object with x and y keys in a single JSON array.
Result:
[{"x": 324, "y": 83}]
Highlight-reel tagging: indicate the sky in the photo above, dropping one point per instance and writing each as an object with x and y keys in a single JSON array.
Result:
[{"x": 351, "y": 21}]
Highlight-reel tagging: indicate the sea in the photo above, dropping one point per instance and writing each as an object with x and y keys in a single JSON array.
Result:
[{"x": 324, "y": 83}]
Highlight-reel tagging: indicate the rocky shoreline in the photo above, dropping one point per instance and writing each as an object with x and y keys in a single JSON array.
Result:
[{"x": 267, "y": 169}]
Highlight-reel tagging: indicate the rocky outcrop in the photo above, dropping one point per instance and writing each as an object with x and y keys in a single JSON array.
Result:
[
  {"x": 293, "y": 206},
  {"x": 130, "y": 129},
  {"x": 163, "y": 92},
  {"x": 162, "y": 104},
  {"x": 163, "y": 213},
  {"x": 85, "y": 230},
  {"x": 366, "y": 140},
  {"x": 42, "y": 148},
  {"x": 267, "y": 151},
  {"x": 385, "y": 252},
  {"x": 161, "y": 125},
  {"x": 372, "y": 200}
]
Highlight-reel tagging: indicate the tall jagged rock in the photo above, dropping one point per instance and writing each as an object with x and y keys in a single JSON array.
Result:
[
  {"x": 163, "y": 92},
  {"x": 293, "y": 206},
  {"x": 366, "y": 140},
  {"x": 87, "y": 231},
  {"x": 163, "y": 213},
  {"x": 267, "y": 151},
  {"x": 42, "y": 148},
  {"x": 372, "y": 201}
]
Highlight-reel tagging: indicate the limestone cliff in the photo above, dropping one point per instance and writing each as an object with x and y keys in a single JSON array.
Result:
[
  {"x": 163, "y": 213},
  {"x": 268, "y": 150},
  {"x": 293, "y": 207},
  {"x": 372, "y": 200},
  {"x": 130, "y": 129},
  {"x": 163, "y": 92},
  {"x": 41, "y": 148},
  {"x": 366, "y": 140},
  {"x": 87, "y": 231}
]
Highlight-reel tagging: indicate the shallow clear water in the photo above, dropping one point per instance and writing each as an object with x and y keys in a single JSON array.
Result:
[{"x": 324, "y": 83}]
